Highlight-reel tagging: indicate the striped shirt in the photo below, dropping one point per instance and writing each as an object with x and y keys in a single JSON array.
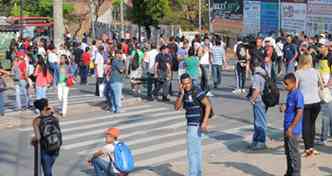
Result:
[
  {"x": 218, "y": 53},
  {"x": 191, "y": 103}
]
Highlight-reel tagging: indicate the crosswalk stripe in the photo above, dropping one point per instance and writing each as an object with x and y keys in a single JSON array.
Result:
[
  {"x": 127, "y": 126},
  {"x": 135, "y": 142},
  {"x": 70, "y": 122},
  {"x": 182, "y": 153},
  {"x": 168, "y": 113}
]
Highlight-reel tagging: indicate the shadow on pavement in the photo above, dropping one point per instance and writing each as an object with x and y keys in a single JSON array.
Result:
[
  {"x": 162, "y": 170},
  {"x": 244, "y": 167}
]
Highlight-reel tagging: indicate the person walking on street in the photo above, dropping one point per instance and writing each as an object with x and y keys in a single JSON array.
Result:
[
  {"x": 198, "y": 109},
  {"x": 292, "y": 125},
  {"x": 151, "y": 55},
  {"x": 43, "y": 78},
  {"x": 290, "y": 54},
  {"x": 54, "y": 60},
  {"x": 259, "y": 108},
  {"x": 205, "y": 62},
  {"x": 308, "y": 82},
  {"x": 191, "y": 63},
  {"x": 3, "y": 88},
  {"x": 47, "y": 136},
  {"x": 163, "y": 73},
  {"x": 84, "y": 67},
  {"x": 116, "y": 79},
  {"x": 218, "y": 58},
  {"x": 99, "y": 65},
  {"x": 65, "y": 79}
]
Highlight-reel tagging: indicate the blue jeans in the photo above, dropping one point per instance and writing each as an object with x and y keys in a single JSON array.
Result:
[
  {"x": 260, "y": 123},
  {"x": 102, "y": 167},
  {"x": 326, "y": 122},
  {"x": 290, "y": 67},
  {"x": 40, "y": 92},
  {"x": 21, "y": 89},
  {"x": 116, "y": 96},
  {"x": 216, "y": 74},
  {"x": 56, "y": 73},
  {"x": 2, "y": 102},
  {"x": 47, "y": 163},
  {"x": 194, "y": 151}
]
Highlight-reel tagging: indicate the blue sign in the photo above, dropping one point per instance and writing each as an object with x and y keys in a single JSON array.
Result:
[{"x": 269, "y": 17}]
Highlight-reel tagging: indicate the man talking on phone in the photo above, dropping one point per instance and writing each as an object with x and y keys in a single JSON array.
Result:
[{"x": 198, "y": 109}]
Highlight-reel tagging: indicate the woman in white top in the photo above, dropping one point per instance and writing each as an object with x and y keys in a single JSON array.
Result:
[{"x": 308, "y": 81}]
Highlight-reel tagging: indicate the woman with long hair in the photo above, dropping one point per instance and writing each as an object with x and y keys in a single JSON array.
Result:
[
  {"x": 65, "y": 78},
  {"x": 308, "y": 81},
  {"x": 43, "y": 78}
]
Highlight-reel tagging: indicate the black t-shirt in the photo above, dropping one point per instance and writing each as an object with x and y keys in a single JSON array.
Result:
[
  {"x": 77, "y": 55},
  {"x": 162, "y": 60},
  {"x": 258, "y": 54}
]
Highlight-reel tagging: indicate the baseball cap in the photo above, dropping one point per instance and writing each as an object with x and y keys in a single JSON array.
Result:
[{"x": 113, "y": 132}]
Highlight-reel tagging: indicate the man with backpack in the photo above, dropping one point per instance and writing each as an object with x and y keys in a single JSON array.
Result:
[
  {"x": 108, "y": 161},
  {"x": 198, "y": 111},
  {"x": 262, "y": 95},
  {"x": 47, "y": 137}
]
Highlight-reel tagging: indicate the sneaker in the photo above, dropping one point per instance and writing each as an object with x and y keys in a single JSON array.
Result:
[
  {"x": 324, "y": 143},
  {"x": 259, "y": 146},
  {"x": 209, "y": 94},
  {"x": 243, "y": 91},
  {"x": 166, "y": 100},
  {"x": 236, "y": 91}
]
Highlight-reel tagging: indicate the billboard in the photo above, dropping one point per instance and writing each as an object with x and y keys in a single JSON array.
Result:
[
  {"x": 227, "y": 15},
  {"x": 319, "y": 16},
  {"x": 269, "y": 16},
  {"x": 251, "y": 16},
  {"x": 293, "y": 16}
]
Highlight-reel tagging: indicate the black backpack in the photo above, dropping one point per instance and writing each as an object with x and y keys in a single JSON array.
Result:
[
  {"x": 50, "y": 132},
  {"x": 271, "y": 93},
  {"x": 135, "y": 61}
]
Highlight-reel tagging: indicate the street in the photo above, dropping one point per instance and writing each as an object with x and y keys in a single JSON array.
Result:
[{"x": 155, "y": 132}]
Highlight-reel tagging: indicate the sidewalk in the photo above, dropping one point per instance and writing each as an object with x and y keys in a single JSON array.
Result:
[{"x": 237, "y": 160}]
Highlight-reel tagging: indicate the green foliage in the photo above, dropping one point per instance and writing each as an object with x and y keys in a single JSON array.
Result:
[{"x": 37, "y": 8}]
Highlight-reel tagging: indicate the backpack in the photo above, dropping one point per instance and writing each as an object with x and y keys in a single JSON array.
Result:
[
  {"x": 271, "y": 93},
  {"x": 135, "y": 61},
  {"x": 123, "y": 158},
  {"x": 51, "y": 136},
  {"x": 197, "y": 102}
]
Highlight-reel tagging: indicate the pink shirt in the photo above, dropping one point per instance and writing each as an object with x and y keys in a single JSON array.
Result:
[{"x": 41, "y": 80}]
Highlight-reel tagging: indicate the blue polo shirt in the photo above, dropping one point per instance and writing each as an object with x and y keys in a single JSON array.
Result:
[
  {"x": 294, "y": 102},
  {"x": 191, "y": 103},
  {"x": 289, "y": 51}
]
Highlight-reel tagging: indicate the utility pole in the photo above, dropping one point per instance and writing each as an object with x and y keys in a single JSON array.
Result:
[
  {"x": 279, "y": 16},
  {"x": 93, "y": 18},
  {"x": 21, "y": 19},
  {"x": 200, "y": 15},
  {"x": 210, "y": 17},
  {"x": 58, "y": 22},
  {"x": 122, "y": 19}
]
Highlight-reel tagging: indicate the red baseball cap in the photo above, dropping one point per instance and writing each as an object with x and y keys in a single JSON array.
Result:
[{"x": 115, "y": 132}]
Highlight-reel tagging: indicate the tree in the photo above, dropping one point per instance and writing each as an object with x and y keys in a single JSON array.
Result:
[{"x": 148, "y": 13}]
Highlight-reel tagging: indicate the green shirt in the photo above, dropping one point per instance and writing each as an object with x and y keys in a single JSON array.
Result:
[
  {"x": 62, "y": 74},
  {"x": 140, "y": 55},
  {"x": 192, "y": 66}
]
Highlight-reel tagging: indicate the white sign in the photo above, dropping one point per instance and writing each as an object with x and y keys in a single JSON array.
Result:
[
  {"x": 293, "y": 17},
  {"x": 319, "y": 16},
  {"x": 251, "y": 16}
]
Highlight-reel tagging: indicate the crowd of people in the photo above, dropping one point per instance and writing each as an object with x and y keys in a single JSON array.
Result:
[{"x": 302, "y": 63}]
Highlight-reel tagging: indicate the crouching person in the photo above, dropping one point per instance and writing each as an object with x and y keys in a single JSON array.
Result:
[{"x": 104, "y": 159}]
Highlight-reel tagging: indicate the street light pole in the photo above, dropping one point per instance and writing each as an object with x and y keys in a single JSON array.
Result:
[
  {"x": 200, "y": 15},
  {"x": 21, "y": 19},
  {"x": 93, "y": 14},
  {"x": 279, "y": 16},
  {"x": 122, "y": 19},
  {"x": 210, "y": 17}
]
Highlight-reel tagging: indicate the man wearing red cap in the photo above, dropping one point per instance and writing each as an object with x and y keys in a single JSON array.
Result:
[
  {"x": 102, "y": 158},
  {"x": 19, "y": 71}
]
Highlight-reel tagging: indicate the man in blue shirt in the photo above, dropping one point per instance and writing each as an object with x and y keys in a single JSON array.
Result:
[
  {"x": 290, "y": 54},
  {"x": 198, "y": 109},
  {"x": 292, "y": 125},
  {"x": 118, "y": 68}
]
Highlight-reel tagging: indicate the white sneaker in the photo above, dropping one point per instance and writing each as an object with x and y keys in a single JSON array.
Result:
[
  {"x": 209, "y": 94},
  {"x": 236, "y": 91},
  {"x": 243, "y": 91}
]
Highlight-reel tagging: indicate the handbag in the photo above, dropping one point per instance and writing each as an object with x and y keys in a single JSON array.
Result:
[
  {"x": 325, "y": 95},
  {"x": 70, "y": 81}
]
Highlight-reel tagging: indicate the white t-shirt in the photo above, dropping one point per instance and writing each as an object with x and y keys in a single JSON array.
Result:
[
  {"x": 53, "y": 58},
  {"x": 108, "y": 151},
  {"x": 205, "y": 57},
  {"x": 94, "y": 52},
  {"x": 100, "y": 65},
  {"x": 152, "y": 59},
  {"x": 41, "y": 51}
]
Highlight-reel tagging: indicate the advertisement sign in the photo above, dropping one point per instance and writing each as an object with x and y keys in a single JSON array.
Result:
[
  {"x": 319, "y": 17},
  {"x": 251, "y": 16},
  {"x": 269, "y": 16},
  {"x": 293, "y": 17},
  {"x": 227, "y": 15}
]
